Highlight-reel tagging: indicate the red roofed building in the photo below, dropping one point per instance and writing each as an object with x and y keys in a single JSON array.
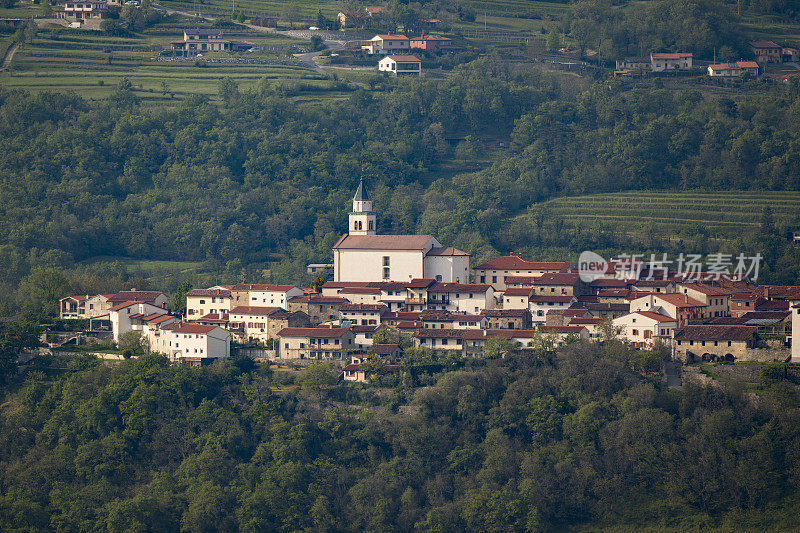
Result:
[
  {"x": 318, "y": 308},
  {"x": 498, "y": 270},
  {"x": 766, "y": 51},
  {"x": 200, "y": 302},
  {"x": 431, "y": 43},
  {"x": 645, "y": 328},
  {"x": 386, "y": 44},
  {"x": 734, "y": 69},
  {"x": 660, "y": 62},
  {"x": 335, "y": 343},
  {"x": 196, "y": 343},
  {"x": 363, "y": 255}
]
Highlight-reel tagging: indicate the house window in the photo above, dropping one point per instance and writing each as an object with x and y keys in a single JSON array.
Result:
[
  {"x": 386, "y": 274},
  {"x": 438, "y": 277},
  {"x": 634, "y": 332},
  {"x": 386, "y": 260},
  {"x": 494, "y": 279}
]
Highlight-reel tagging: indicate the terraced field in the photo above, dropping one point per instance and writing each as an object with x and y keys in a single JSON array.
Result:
[
  {"x": 92, "y": 64},
  {"x": 724, "y": 214}
]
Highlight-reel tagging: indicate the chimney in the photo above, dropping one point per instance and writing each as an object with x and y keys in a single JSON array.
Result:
[{"x": 686, "y": 298}]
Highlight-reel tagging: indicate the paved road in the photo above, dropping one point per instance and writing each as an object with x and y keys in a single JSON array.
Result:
[
  {"x": 9, "y": 56},
  {"x": 308, "y": 57}
]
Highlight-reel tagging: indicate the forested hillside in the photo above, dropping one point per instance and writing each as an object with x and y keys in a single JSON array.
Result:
[
  {"x": 258, "y": 180},
  {"x": 523, "y": 444}
]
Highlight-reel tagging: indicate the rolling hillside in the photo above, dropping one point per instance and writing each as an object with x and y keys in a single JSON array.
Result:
[{"x": 724, "y": 211}]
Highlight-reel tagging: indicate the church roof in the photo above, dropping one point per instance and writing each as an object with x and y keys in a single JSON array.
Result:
[
  {"x": 382, "y": 242},
  {"x": 360, "y": 195},
  {"x": 440, "y": 250}
]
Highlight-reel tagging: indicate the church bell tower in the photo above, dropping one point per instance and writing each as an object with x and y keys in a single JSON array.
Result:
[{"x": 362, "y": 219}]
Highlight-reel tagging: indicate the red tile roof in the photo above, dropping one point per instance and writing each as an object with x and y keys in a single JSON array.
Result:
[
  {"x": 555, "y": 298},
  {"x": 253, "y": 310},
  {"x": 360, "y": 290},
  {"x": 383, "y": 242},
  {"x": 413, "y": 59},
  {"x": 734, "y": 65},
  {"x": 392, "y": 37},
  {"x": 679, "y": 55},
  {"x": 363, "y": 307},
  {"x": 716, "y": 332},
  {"x": 314, "y": 299},
  {"x": 449, "y": 251},
  {"x": 209, "y": 292},
  {"x": 764, "y": 44},
  {"x": 262, "y": 287},
  {"x": 194, "y": 328},
  {"x": 459, "y": 287},
  {"x": 655, "y": 316},
  {"x": 512, "y": 262},
  {"x": 518, "y": 291},
  {"x": 313, "y": 332},
  {"x": 557, "y": 278}
]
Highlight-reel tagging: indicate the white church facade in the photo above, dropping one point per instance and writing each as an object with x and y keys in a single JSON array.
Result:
[{"x": 363, "y": 255}]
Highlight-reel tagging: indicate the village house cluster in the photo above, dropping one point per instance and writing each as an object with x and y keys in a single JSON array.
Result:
[
  {"x": 764, "y": 52},
  {"x": 415, "y": 286}
]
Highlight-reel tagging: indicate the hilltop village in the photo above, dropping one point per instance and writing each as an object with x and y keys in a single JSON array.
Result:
[{"x": 392, "y": 292}]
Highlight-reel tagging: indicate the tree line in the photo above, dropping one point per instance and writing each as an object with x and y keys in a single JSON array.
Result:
[{"x": 525, "y": 442}]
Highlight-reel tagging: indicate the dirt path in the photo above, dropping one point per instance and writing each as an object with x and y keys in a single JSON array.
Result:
[{"x": 9, "y": 56}]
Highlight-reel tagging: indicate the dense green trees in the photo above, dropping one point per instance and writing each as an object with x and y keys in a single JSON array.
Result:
[
  {"x": 261, "y": 180},
  {"x": 509, "y": 444}
]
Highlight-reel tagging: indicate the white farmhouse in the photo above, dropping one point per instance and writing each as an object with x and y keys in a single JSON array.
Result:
[
  {"x": 643, "y": 328},
  {"x": 400, "y": 65},
  {"x": 384, "y": 44},
  {"x": 192, "y": 343},
  {"x": 126, "y": 316},
  {"x": 363, "y": 255}
]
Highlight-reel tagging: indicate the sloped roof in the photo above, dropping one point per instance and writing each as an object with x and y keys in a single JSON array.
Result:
[
  {"x": 313, "y": 332},
  {"x": 655, "y": 316},
  {"x": 383, "y": 242},
  {"x": 512, "y": 262},
  {"x": 715, "y": 332},
  {"x": 209, "y": 292},
  {"x": 194, "y": 328},
  {"x": 254, "y": 310},
  {"x": 448, "y": 251}
]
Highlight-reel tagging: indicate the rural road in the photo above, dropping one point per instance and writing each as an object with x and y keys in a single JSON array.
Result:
[{"x": 9, "y": 56}]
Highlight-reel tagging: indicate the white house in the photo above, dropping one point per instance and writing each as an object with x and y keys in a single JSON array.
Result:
[
  {"x": 734, "y": 69},
  {"x": 660, "y": 62},
  {"x": 453, "y": 297},
  {"x": 125, "y": 316},
  {"x": 252, "y": 322},
  {"x": 363, "y": 255},
  {"x": 259, "y": 294},
  {"x": 678, "y": 306},
  {"x": 497, "y": 270},
  {"x": 400, "y": 65},
  {"x": 384, "y": 44},
  {"x": 192, "y": 343},
  {"x": 541, "y": 304},
  {"x": 643, "y": 328},
  {"x": 200, "y": 302},
  {"x": 716, "y": 299}
]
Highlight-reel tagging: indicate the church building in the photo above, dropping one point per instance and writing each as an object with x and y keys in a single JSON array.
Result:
[{"x": 363, "y": 255}]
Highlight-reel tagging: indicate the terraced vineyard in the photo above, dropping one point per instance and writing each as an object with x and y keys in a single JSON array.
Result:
[
  {"x": 724, "y": 214},
  {"x": 92, "y": 64}
]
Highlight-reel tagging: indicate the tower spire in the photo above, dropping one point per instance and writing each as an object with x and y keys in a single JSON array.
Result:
[
  {"x": 360, "y": 196},
  {"x": 362, "y": 219}
]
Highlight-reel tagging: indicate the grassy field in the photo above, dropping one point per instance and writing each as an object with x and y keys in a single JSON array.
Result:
[
  {"x": 146, "y": 266},
  {"x": 725, "y": 215}
]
